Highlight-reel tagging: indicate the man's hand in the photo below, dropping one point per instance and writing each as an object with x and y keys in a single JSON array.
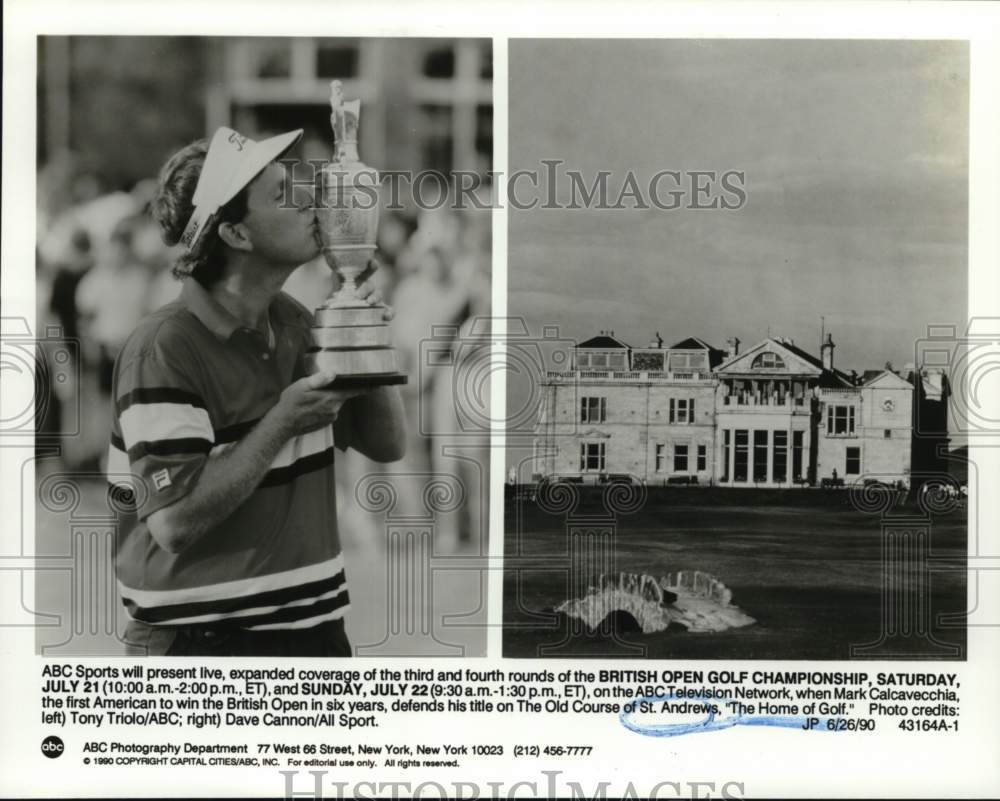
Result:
[
  {"x": 367, "y": 290},
  {"x": 229, "y": 478},
  {"x": 306, "y": 405}
]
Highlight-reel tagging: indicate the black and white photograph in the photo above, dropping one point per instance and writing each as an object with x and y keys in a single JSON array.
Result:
[
  {"x": 253, "y": 282},
  {"x": 733, "y": 258},
  {"x": 490, "y": 401}
]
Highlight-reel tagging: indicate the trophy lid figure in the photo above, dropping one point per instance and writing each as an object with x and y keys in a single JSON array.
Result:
[{"x": 344, "y": 118}]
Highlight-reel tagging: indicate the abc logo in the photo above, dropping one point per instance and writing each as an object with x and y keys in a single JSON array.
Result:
[{"x": 52, "y": 747}]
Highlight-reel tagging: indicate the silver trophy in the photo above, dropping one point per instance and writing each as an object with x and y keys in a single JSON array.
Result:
[{"x": 350, "y": 337}]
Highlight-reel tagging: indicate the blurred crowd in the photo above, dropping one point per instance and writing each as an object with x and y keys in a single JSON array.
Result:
[{"x": 101, "y": 267}]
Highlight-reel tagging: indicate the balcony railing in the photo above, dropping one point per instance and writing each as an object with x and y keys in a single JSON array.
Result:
[
  {"x": 746, "y": 401},
  {"x": 626, "y": 376}
]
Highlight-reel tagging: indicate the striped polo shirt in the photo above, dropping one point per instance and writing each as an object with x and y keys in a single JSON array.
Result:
[{"x": 190, "y": 382}]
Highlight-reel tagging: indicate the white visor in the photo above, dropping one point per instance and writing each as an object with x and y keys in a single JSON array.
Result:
[{"x": 233, "y": 161}]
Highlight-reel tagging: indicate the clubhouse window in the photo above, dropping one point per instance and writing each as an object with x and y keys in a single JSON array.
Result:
[
  {"x": 681, "y": 410},
  {"x": 680, "y": 458},
  {"x": 797, "y": 448},
  {"x": 593, "y": 410},
  {"x": 840, "y": 421},
  {"x": 741, "y": 454},
  {"x": 592, "y": 456},
  {"x": 760, "y": 455},
  {"x": 779, "y": 456},
  {"x": 852, "y": 464}
]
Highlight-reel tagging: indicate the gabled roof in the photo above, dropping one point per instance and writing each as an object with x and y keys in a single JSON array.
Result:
[
  {"x": 803, "y": 354},
  {"x": 715, "y": 356},
  {"x": 602, "y": 341},
  {"x": 750, "y": 353},
  {"x": 831, "y": 378},
  {"x": 885, "y": 377},
  {"x": 691, "y": 343},
  {"x": 814, "y": 366}
]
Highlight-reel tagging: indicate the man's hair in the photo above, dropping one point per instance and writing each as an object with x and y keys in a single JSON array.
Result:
[{"x": 171, "y": 207}]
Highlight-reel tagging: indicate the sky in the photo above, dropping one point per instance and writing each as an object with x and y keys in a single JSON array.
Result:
[{"x": 855, "y": 155}]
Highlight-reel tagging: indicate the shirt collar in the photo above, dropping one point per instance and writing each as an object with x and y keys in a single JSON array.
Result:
[{"x": 212, "y": 314}]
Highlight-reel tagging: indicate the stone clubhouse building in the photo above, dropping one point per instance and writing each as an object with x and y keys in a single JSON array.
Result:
[{"x": 772, "y": 415}]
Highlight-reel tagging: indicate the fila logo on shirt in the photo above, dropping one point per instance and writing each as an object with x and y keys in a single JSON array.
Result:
[{"x": 161, "y": 478}]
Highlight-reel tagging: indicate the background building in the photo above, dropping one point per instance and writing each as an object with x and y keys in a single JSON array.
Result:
[
  {"x": 645, "y": 412},
  {"x": 121, "y": 104},
  {"x": 773, "y": 415}
]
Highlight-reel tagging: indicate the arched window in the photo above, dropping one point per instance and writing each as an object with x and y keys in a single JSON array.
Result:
[{"x": 768, "y": 360}]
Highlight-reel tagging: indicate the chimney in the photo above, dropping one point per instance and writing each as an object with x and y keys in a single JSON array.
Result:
[
  {"x": 827, "y": 351},
  {"x": 734, "y": 346},
  {"x": 934, "y": 383}
]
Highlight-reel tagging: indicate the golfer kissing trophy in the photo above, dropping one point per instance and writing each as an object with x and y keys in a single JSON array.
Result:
[{"x": 350, "y": 336}]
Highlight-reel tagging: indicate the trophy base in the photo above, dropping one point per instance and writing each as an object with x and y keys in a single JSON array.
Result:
[
  {"x": 352, "y": 361},
  {"x": 367, "y": 381},
  {"x": 356, "y": 368}
]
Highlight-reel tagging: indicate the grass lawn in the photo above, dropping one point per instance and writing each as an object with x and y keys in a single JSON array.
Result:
[{"x": 810, "y": 575}]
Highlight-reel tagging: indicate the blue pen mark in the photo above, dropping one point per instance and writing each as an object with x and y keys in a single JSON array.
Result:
[{"x": 713, "y": 721}]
